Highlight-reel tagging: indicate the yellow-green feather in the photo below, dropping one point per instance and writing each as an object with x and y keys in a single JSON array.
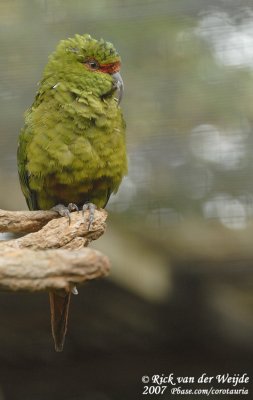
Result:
[{"x": 72, "y": 148}]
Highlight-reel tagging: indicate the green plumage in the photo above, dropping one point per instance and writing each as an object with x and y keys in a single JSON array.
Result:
[{"x": 72, "y": 147}]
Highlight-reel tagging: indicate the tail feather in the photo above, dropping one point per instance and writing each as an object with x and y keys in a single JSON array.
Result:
[{"x": 59, "y": 307}]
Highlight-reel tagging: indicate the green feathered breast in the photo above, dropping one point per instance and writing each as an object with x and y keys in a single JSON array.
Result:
[{"x": 72, "y": 147}]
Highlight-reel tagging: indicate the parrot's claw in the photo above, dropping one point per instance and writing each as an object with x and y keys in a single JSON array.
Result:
[
  {"x": 65, "y": 211},
  {"x": 91, "y": 207},
  {"x": 73, "y": 207}
]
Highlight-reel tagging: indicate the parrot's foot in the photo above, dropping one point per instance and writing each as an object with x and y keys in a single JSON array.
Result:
[
  {"x": 91, "y": 207},
  {"x": 65, "y": 211}
]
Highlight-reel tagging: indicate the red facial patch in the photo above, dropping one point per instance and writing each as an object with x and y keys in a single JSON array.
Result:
[{"x": 110, "y": 68}]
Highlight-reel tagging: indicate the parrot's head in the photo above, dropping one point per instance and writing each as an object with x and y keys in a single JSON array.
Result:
[{"x": 96, "y": 63}]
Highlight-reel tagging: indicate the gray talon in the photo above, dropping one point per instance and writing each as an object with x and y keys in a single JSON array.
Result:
[
  {"x": 72, "y": 207},
  {"x": 91, "y": 207},
  {"x": 61, "y": 210},
  {"x": 65, "y": 211}
]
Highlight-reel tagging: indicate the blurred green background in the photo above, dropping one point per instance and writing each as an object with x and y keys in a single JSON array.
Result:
[{"x": 179, "y": 298}]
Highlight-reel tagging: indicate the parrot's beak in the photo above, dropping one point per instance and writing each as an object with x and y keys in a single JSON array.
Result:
[{"x": 119, "y": 84}]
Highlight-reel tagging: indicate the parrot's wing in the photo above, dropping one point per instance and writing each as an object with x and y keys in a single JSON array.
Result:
[
  {"x": 46, "y": 84},
  {"x": 30, "y": 195}
]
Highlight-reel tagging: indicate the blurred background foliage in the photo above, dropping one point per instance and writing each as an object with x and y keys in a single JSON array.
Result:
[{"x": 188, "y": 72}]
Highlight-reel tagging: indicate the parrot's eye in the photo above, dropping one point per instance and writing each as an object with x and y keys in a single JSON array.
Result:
[{"x": 92, "y": 64}]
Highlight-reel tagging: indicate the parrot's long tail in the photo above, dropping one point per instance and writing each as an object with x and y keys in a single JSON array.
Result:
[{"x": 59, "y": 307}]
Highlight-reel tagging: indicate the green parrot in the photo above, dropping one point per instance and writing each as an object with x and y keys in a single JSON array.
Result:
[{"x": 72, "y": 152}]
